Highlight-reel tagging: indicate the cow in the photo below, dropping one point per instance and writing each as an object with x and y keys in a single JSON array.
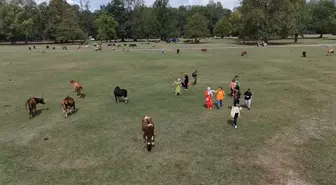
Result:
[
  {"x": 204, "y": 50},
  {"x": 331, "y": 51},
  {"x": 125, "y": 44},
  {"x": 54, "y": 48},
  {"x": 31, "y": 105},
  {"x": 47, "y": 47},
  {"x": 68, "y": 105},
  {"x": 177, "y": 51},
  {"x": 148, "y": 132},
  {"x": 120, "y": 94},
  {"x": 243, "y": 53},
  {"x": 132, "y": 45},
  {"x": 77, "y": 87},
  {"x": 304, "y": 54},
  {"x": 34, "y": 47},
  {"x": 29, "y": 48},
  {"x": 108, "y": 45}
]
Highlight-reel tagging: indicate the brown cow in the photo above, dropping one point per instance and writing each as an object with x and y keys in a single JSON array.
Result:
[
  {"x": 148, "y": 131},
  {"x": 31, "y": 105},
  {"x": 68, "y": 105},
  {"x": 331, "y": 51},
  {"x": 78, "y": 88},
  {"x": 204, "y": 50},
  {"x": 243, "y": 53}
]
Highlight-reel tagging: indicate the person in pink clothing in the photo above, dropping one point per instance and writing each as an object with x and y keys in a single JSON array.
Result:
[{"x": 233, "y": 86}]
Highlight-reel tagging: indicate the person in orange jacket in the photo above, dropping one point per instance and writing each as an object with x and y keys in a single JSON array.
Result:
[{"x": 220, "y": 97}]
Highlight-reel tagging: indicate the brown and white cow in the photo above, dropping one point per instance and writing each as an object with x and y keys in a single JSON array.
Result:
[
  {"x": 77, "y": 87},
  {"x": 243, "y": 53},
  {"x": 148, "y": 131},
  {"x": 331, "y": 51},
  {"x": 204, "y": 50},
  {"x": 31, "y": 105},
  {"x": 68, "y": 105}
]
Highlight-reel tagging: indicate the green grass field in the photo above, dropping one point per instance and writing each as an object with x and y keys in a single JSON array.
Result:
[{"x": 289, "y": 137}]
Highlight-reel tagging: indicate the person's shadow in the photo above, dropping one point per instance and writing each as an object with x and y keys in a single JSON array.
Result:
[{"x": 230, "y": 122}]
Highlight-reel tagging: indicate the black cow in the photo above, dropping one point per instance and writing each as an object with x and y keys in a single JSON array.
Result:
[
  {"x": 34, "y": 47},
  {"x": 178, "y": 51},
  {"x": 125, "y": 44},
  {"x": 108, "y": 45},
  {"x": 304, "y": 54},
  {"x": 132, "y": 45},
  {"x": 47, "y": 47},
  {"x": 29, "y": 48},
  {"x": 120, "y": 94},
  {"x": 54, "y": 48}
]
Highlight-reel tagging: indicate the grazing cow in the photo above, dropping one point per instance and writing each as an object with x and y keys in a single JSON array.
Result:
[
  {"x": 77, "y": 87},
  {"x": 98, "y": 48},
  {"x": 31, "y": 105},
  {"x": 331, "y": 51},
  {"x": 108, "y": 45},
  {"x": 204, "y": 50},
  {"x": 47, "y": 47},
  {"x": 243, "y": 53},
  {"x": 148, "y": 131},
  {"x": 68, "y": 105},
  {"x": 125, "y": 44},
  {"x": 29, "y": 48},
  {"x": 132, "y": 45},
  {"x": 34, "y": 47},
  {"x": 120, "y": 94},
  {"x": 54, "y": 48},
  {"x": 177, "y": 51},
  {"x": 304, "y": 54}
]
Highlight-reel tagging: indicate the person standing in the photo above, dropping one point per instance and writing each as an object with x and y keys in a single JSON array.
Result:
[
  {"x": 233, "y": 86},
  {"x": 177, "y": 87},
  {"x": 237, "y": 83},
  {"x": 235, "y": 113},
  {"x": 208, "y": 101},
  {"x": 194, "y": 75},
  {"x": 236, "y": 97},
  {"x": 220, "y": 97},
  {"x": 186, "y": 81},
  {"x": 248, "y": 98}
]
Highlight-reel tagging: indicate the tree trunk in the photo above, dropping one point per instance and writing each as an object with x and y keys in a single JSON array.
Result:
[
  {"x": 26, "y": 41},
  {"x": 195, "y": 40},
  {"x": 296, "y": 37},
  {"x": 321, "y": 35},
  {"x": 122, "y": 39}
]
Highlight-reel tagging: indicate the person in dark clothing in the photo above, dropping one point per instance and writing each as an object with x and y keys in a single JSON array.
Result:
[
  {"x": 236, "y": 97},
  {"x": 186, "y": 81},
  {"x": 194, "y": 75},
  {"x": 235, "y": 113},
  {"x": 248, "y": 99}
]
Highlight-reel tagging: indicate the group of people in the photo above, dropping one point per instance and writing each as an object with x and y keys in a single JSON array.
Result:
[
  {"x": 185, "y": 83},
  {"x": 220, "y": 95}
]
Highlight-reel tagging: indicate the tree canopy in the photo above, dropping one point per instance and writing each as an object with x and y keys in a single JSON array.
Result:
[{"x": 25, "y": 20}]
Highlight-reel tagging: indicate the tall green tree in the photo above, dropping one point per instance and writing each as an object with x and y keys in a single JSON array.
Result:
[
  {"x": 223, "y": 27},
  {"x": 323, "y": 16},
  {"x": 161, "y": 12},
  {"x": 197, "y": 27},
  {"x": 106, "y": 26}
]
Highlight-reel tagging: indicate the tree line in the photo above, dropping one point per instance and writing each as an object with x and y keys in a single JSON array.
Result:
[{"x": 25, "y": 20}]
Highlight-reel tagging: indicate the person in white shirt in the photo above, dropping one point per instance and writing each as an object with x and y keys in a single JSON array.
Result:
[{"x": 235, "y": 113}]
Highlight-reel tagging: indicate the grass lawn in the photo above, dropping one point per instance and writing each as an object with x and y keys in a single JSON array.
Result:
[{"x": 289, "y": 137}]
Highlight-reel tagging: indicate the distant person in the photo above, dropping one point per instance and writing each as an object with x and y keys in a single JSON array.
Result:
[
  {"x": 248, "y": 98},
  {"x": 194, "y": 75},
  {"x": 220, "y": 97},
  {"x": 235, "y": 113},
  {"x": 237, "y": 83},
  {"x": 162, "y": 51}
]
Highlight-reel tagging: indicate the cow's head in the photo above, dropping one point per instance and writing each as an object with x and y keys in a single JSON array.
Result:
[
  {"x": 117, "y": 87},
  {"x": 72, "y": 81},
  {"x": 40, "y": 100}
]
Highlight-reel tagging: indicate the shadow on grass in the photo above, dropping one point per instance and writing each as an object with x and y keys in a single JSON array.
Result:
[
  {"x": 38, "y": 112},
  {"x": 230, "y": 122}
]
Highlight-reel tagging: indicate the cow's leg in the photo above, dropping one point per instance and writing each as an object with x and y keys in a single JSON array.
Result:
[
  {"x": 144, "y": 137},
  {"x": 116, "y": 98},
  {"x": 30, "y": 113},
  {"x": 152, "y": 140}
]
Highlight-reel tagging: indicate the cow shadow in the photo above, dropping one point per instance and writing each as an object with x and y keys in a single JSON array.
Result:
[
  {"x": 82, "y": 96},
  {"x": 39, "y": 111}
]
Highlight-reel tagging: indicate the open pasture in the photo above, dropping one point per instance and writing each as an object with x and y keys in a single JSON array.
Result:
[{"x": 288, "y": 138}]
